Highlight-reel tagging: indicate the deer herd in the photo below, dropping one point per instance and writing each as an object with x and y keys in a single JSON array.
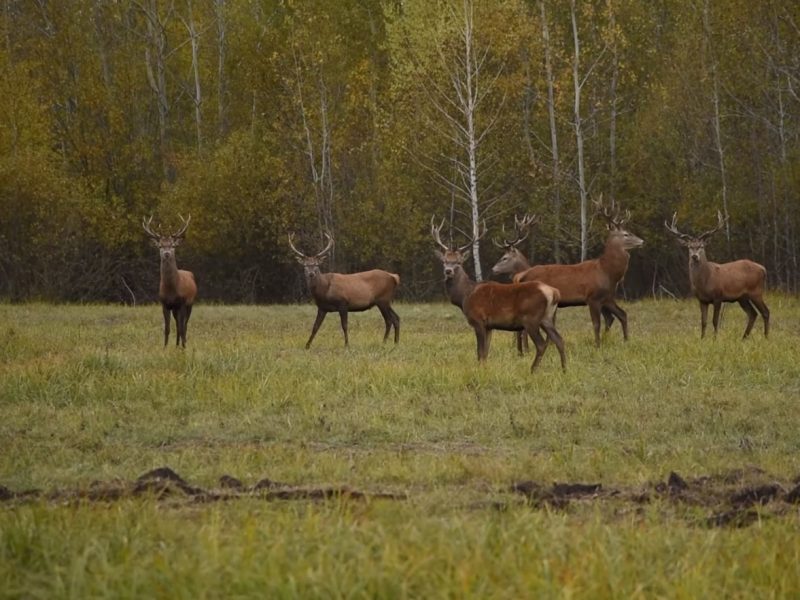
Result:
[{"x": 527, "y": 305}]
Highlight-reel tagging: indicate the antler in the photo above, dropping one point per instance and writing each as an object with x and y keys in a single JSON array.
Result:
[
  {"x": 321, "y": 254},
  {"x": 324, "y": 252},
  {"x": 612, "y": 216},
  {"x": 521, "y": 230},
  {"x": 436, "y": 233},
  {"x": 291, "y": 245},
  {"x": 720, "y": 224},
  {"x": 146, "y": 224},
  {"x": 673, "y": 228},
  {"x": 182, "y": 231}
]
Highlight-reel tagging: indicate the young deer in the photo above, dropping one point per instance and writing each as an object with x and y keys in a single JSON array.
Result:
[
  {"x": 352, "y": 292},
  {"x": 739, "y": 281},
  {"x": 505, "y": 306},
  {"x": 591, "y": 283},
  {"x": 177, "y": 289}
]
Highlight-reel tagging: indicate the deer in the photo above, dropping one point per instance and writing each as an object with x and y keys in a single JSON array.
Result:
[
  {"x": 741, "y": 281},
  {"x": 514, "y": 261},
  {"x": 347, "y": 292},
  {"x": 524, "y": 307},
  {"x": 177, "y": 289},
  {"x": 591, "y": 283}
]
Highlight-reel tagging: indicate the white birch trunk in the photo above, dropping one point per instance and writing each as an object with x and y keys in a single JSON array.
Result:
[{"x": 579, "y": 131}]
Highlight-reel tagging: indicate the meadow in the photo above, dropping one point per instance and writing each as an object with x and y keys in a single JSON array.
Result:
[{"x": 468, "y": 455}]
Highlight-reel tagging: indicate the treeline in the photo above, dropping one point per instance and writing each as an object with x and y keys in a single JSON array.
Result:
[{"x": 367, "y": 117}]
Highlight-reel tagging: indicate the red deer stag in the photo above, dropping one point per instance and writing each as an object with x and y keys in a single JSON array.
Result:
[
  {"x": 351, "y": 292},
  {"x": 177, "y": 289},
  {"x": 739, "y": 281},
  {"x": 504, "y": 306},
  {"x": 514, "y": 261},
  {"x": 591, "y": 283}
]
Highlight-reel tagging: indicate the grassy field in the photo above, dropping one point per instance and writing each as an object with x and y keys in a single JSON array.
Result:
[{"x": 88, "y": 394}]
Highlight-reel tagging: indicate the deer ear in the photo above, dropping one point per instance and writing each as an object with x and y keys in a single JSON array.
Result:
[
  {"x": 438, "y": 255},
  {"x": 466, "y": 254},
  {"x": 177, "y": 241}
]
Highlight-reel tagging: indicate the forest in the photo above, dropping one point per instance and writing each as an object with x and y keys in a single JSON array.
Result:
[{"x": 366, "y": 118}]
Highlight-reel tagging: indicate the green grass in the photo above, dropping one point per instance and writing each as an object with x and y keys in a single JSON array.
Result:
[{"x": 87, "y": 393}]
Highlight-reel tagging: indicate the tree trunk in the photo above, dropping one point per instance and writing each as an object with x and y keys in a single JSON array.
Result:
[
  {"x": 579, "y": 131},
  {"x": 551, "y": 110}
]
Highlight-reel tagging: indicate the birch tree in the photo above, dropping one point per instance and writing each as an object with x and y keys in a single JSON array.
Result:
[
  {"x": 459, "y": 103},
  {"x": 577, "y": 123}
]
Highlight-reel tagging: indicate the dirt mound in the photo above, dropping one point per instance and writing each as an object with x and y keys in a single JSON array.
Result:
[
  {"x": 164, "y": 483},
  {"x": 736, "y": 498}
]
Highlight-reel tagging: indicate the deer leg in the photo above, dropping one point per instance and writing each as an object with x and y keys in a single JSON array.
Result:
[
  {"x": 616, "y": 310},
  {"x": 387, "y": 320},
  {"x": 521, "y": 339},
  {"x": 703, "y": 318},
  {"x": 751, "y": 315},
  {"x": 539, "y": 342},
  {"x": 594, "y": 311},
  {"x": 188, "y": 314},
  {"x": 165, "y": 310},
  {"x": 176, "y": 316},
  {"x": 762, "y": 308},
  {"x": 608, "y": 317},
  {"x": 343, "y": 317},
  {"x": 317, "y": 322},
  {"x": 717, "y": 307},
  {"x": 182, "y": 326},
  {"x": 552, "y": 334},
  {"x": 481, "y": 337},
  {"x": 396, "y": 322}
]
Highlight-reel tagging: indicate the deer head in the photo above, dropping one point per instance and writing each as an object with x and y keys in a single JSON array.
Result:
[
  {"x": 312, "y": 263},
  {"x": 695, "y": 244},
  {"x": 452, "y": 256},
  {"x": 166, "y": 243},
  {"x": 615, "y": 223},
  {"x": 512, "y": 259}
]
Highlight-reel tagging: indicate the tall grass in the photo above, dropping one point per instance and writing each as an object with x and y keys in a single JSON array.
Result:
[{"x": 88, "y": 393}]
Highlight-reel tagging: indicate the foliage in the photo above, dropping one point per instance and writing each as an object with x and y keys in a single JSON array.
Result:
[{"x": 303, "y": 115}]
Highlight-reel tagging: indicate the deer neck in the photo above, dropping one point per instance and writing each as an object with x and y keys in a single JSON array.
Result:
[
  {"x": 459, "y": 287},
  {"x": 614, "y": 259},
  {"x": 319, "y": 285},
  {"x": 520, "y": 264},
  {"x": 699, "y": 273},
  {"x": 169, "y": 275}
]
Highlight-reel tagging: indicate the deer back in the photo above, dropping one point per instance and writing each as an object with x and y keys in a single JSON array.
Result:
[
  {"x": 728, "y": 281},
  {"x": 510, "y": 305},
  {"x": 575, "y": 283},
  {"x": 356, "y": 290}
]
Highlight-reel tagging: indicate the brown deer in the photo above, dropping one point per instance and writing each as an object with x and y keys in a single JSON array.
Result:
[
  {"x": 591, "y": 283},
  {"x": 514, "y": 261},
  {"x": 177, "y": 289},
  {"x": 351, "y": 292},
  {"x": 739, "y": 281},
  {"x": 504, "y": 306}
]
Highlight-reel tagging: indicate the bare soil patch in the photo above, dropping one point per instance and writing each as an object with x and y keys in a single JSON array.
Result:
[{"x": 736, "y": 498}]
